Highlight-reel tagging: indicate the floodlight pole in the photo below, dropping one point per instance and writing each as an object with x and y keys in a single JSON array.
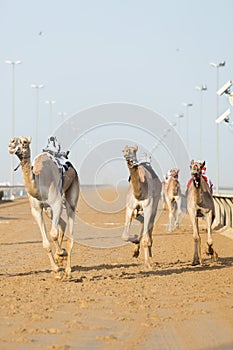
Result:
[
  {"x": 50, "y": 103},
  {"x": 13, "y": 64},
  {"x": 187, "y": 105},
  {"x": 217, "y": 65},
  {"x": 201, "y": 89},
  {"x": 179, "y": 116},
  {"x": 37, "y": 88}
]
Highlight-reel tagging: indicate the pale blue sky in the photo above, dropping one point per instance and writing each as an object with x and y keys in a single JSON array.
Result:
[{"x": 149, "y": 53}]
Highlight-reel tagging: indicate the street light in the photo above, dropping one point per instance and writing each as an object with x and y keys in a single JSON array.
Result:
[
  {"x": 13, "y": 64},
  {"x": 179, "y": 116},
  {"x": 50, "y": 103},
  {"x": 201, "y": 89},
  {"x": 37, "y": 87},
  {"x": 187, "y": 105},
  {"x": 62, "y": 115},
  {"x": 217, "y": 66}
]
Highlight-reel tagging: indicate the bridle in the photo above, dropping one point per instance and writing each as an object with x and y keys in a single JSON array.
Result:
[{"x": 196, "y": 175}]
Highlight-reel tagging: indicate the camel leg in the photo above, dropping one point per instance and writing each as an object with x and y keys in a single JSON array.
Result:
[
  {"x": 36, "y": 211},
  {"x": 70, "y": 240},
  {"x": 72, "y": 195},
  {"x": 54, "y": 232},
  {"x": 197, "y": 260},
  {"x": 128, "y": 220},
  {"x": 147, "y": 235},
  {"x": 210, "y": 250},
  {"x": 178, "y": 212},
  {"x": 61, "y": 231},
  {"x": 137, "y": 249},
  {"x": 170, "y": 216}
]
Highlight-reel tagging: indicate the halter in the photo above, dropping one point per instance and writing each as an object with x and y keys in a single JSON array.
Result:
[{"x": 196, "y": 175}]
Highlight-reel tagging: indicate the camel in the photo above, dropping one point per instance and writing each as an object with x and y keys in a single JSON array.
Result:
[
  {"x": 172, "y": 193},
  {"x": 200, "y": 204},
  {"x": 49, "y": 188},
  {"x": 141, "y": 203}
]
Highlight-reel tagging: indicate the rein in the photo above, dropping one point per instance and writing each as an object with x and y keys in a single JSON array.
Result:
[{"x": 21, "y": 161}]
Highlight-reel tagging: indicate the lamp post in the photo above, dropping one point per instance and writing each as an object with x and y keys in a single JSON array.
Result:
[
  {"x": 187, "y": 105},
  {"x": 37, "y": 88},
  {"x": 179, "y": 116},
  {"x": 50, "y": 103},
  {"x": 62, "y": 115},
  {"x": 217, "y": 66},
  {"x": 13, "y": 64},
  {"x": 201, "y": 89}
]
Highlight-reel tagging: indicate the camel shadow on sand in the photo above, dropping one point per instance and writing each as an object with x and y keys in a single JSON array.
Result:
[{"x": 103, "y": 271}]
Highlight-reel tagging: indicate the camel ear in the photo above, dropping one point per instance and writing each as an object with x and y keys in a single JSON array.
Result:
[
  {"x": 136, "y": 147},
  {"x": 203, "y": 164},
  {"x": 126, "y": 146},
  {"x": 29, "y": 139},
  {"x": 192, "y": 161},
  {"x": 178, "y": 170}
]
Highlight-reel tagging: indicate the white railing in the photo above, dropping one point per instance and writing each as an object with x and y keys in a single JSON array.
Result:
[{"x": 223, "y": 211}]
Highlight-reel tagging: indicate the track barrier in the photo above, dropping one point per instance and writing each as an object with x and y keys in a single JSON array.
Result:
[{"x": 223, "y": 213}]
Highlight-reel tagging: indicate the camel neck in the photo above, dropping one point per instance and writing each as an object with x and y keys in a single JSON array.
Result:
[
  {"x": 198, "y": 193},
  {"x": 28, "y": 179},
  {"x": 136, "y": 183}
]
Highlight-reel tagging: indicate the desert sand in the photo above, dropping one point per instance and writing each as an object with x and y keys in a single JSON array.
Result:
[{"x": 112, "y": 301}]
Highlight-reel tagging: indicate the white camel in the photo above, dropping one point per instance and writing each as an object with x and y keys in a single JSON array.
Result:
[
  {"x": 172, "y": 193},
  {"x": 49, "y": 187},
  {"x": 141, "y": 202}
]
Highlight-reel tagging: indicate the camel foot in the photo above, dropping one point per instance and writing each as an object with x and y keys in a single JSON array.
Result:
[
  {"x": 215, "y": 256},
  {"x": 148, "y": 266},
  {"x": 67, "y": 275},
  {"x": 59, "y": 274},
  {"x": 196, "y": 262}
]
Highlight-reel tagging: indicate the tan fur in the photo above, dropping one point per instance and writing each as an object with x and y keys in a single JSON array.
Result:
[
  {"x": 141, "y": 202},
  {"x": 172, "y": 193},
  {"x": 200, "y": 203}
]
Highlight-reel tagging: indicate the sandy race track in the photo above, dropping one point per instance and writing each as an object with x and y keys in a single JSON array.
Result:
[{"x": 112, "y": 301}]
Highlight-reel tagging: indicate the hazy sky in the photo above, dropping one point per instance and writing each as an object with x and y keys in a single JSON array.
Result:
[{"x": 87, "y": 53}]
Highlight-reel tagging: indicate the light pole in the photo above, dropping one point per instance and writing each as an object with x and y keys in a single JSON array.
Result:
[
  {"x": 62, "y": 115},
  {"x": 13, "y": 64},
  {"x": 187, "y": 105},
  {"x": 179, "y": 116},
  {"x": 217, "y": 66},
  {"x": 50, "y": 103},
  {"x": 201, "y": 89},
  {"x": 37, "y": 88}
]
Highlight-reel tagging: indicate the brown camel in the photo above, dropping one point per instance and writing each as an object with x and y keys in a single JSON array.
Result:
[
  {"x": 141, "y": 202},
  {"x": 48, "y": 189},
  {"x": 173, "y": 198},
  {"x": 200, "y": 204}
]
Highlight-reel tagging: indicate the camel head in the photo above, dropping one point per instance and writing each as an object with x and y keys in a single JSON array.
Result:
[
  {"x": 196, "y": 171},
  {"x": 130, "y": 155},
  {"x": 20, "y": 146},
  {"x": 174, "y": 172}
]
